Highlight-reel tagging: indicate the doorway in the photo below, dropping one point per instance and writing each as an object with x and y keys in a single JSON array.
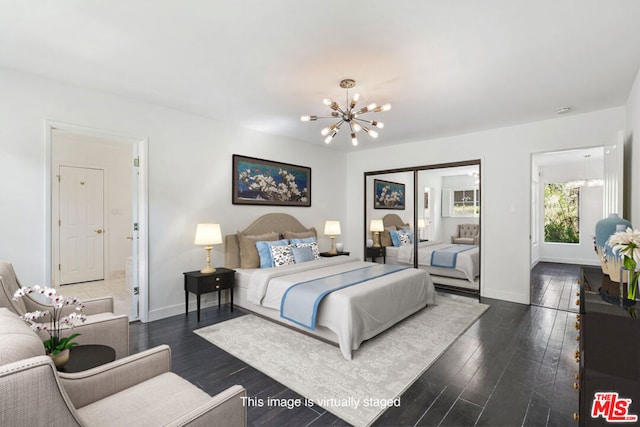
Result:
[
  {"x": 571, "y": 191},
  {"x": 97, "y": 201}
]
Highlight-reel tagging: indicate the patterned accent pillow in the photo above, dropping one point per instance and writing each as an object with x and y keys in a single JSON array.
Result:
[
  {"x": 405, "y": 239},
  {"x": 282, "y": 255},
  {"x": 313, "y": 246}
]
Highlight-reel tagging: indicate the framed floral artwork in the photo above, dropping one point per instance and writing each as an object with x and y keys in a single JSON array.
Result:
[
  {"x": 265, "y": 182},
  {"x": 388, "y": 195}
]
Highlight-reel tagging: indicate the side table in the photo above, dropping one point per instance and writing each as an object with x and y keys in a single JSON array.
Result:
[
  {"x": 329, "y": 255},
  {"x": 202, "y": 283},
  {"x": 87, "y": 356},
  {"x": 376, "y": 252}
]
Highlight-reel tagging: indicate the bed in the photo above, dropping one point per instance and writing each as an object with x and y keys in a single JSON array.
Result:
[
  {"x": 463, "y": 274},
  {"x": 345, "y": 317}
]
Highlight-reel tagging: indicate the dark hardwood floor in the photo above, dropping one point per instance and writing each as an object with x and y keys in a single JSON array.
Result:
[
  {"x": 512, "y": 367},
  {"x": 555, "y": 285}
]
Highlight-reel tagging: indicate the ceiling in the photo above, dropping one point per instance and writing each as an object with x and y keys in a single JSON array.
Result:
[{"x": 447, "y": 67}]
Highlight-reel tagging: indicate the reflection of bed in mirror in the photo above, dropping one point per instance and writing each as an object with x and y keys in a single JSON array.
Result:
[
  {"x": 348, "y": 315},
  {"x": 460, "y": 268}
]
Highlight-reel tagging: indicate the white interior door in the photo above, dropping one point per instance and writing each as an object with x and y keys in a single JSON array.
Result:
[
  {"x": 81, "y": 224},
  {"x": 135, "y": 235}
]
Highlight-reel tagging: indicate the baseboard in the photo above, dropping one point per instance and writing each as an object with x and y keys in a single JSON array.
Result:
[
  {"x": 174, "y": 310},
  {"x": 570, "y": 261}
]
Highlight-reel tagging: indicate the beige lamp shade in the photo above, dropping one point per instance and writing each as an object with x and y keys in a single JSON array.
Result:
[
  {"x": 376, "y": 225},
  {"x": 332, "y": 228},
  {"x": 420, "y": 223},
  {"x": 208, "y": 234}
]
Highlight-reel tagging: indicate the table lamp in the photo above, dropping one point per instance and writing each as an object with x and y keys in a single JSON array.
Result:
[
  {"x": 376, "y": 227},
  {"x": 208, "y": 234},
  {"x": 332, "y": 228}
]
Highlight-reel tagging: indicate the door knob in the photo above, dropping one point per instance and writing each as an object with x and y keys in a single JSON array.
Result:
[{"x": 98, "y": 231}]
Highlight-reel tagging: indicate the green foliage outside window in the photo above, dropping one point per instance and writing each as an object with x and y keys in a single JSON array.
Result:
[{"x": 561, "y": 219}]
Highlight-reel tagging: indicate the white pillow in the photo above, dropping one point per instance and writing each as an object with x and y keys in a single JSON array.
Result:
[
  {"x": 282, "y": 255},
  {"x": 405, "y": 239}
]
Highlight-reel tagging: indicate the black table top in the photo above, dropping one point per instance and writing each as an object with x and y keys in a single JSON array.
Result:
[{"x": 83, "y": 357}]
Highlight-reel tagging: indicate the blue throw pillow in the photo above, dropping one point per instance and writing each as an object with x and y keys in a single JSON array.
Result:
[
  {"x": 295, "y": 242},
  {"x": 264, "y": 251},
  {"x": 395, "y": 236},
  {"x": 302, "y": 254}
]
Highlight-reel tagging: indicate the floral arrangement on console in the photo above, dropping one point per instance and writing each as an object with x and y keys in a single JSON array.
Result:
[
  {"x": 56, "y": 343},
  {"x": 627, "y": 244}
]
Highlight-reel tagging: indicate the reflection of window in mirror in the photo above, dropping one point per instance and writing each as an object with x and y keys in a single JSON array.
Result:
[{"x": 460, "y": 196}]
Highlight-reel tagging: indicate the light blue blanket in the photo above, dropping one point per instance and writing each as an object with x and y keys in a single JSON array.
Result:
[
  {"x": 448, "y": 256},
  {"x": 300, "y": 302}
]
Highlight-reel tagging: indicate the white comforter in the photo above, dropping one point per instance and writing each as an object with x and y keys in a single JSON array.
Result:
[
  {"x": 467, "y": 262},
  {"x": 355, "y": 313}
]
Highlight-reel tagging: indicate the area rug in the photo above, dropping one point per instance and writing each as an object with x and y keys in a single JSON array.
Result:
[{"x": 358, "y": 391}]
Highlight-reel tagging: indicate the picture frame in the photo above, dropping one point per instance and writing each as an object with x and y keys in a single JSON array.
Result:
[
  {"x": 267, "y": 182},
  {"x": 388, "y": 195}
]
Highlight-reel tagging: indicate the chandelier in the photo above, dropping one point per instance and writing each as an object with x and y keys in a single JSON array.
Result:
[{"x": 349, "y": 116}]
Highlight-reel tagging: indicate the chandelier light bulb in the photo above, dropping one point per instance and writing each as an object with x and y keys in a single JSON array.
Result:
[{"x": 349, "y": 115}]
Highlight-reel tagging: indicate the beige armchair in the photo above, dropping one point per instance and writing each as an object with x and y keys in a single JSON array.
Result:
[
  {"x": 468, "y": 234},
  {"x": 135, "y": 390},
  {"x": 101, "y": 327}
]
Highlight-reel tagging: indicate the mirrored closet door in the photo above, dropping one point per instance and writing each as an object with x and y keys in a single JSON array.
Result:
[{"x": 427, "y": 217}]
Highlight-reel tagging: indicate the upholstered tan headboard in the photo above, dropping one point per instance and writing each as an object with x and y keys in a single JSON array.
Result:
[
  {"x": 278, "y": 222},
  {"x": 392, "y": 220}
]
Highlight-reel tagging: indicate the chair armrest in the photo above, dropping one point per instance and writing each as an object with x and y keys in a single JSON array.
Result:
[
  {"x": 105, "y": 328},
  {"x": 94, "y": 384},
  {"x": 91, "y": 306},
  {"x": 226, "y": 409},
  {"x": 98, "y": 305},
  {"x": 32, "y": 395}
]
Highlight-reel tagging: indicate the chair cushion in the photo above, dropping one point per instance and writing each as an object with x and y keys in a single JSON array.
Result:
[
  {"x": 17, "y": 340},
  {"x": 464, "y": 240},
  {"x": 154, "y": 402}
]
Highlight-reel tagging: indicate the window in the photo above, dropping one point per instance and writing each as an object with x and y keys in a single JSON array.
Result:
[
  {"x": 561, "y": 213},
  {"x": 466, "y": 202}
]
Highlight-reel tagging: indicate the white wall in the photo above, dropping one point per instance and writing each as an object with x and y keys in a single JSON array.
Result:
[
  {"x": 590, "y": 212},
  {"x": 505, "y": 155},
  {"x": 189, "y": 178},
  {"x": 632, "y": 156}
]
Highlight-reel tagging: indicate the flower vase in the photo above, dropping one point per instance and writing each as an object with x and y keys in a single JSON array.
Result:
[
  {"x": 60, "y": 359},
  {"x": 626, "y": 283},
  {"x": 609, "y": 262}
]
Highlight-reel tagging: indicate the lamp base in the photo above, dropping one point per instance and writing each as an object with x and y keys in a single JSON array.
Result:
[
  {"x": 208, "y": 270},
  {"x": 332, "y": 252}
]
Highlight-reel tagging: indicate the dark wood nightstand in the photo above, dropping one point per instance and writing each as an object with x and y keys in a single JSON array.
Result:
[
  {"x": 376, "y": 252},
  {"x": 202, "y": 283},
  {"x": 328, "y": 255}
]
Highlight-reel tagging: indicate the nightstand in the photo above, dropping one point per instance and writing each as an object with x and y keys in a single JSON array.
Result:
[
  {"x": 328, "y": 255},
  {"x": 202, "y": 283},
  {"x": 376, "y": 252}
]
